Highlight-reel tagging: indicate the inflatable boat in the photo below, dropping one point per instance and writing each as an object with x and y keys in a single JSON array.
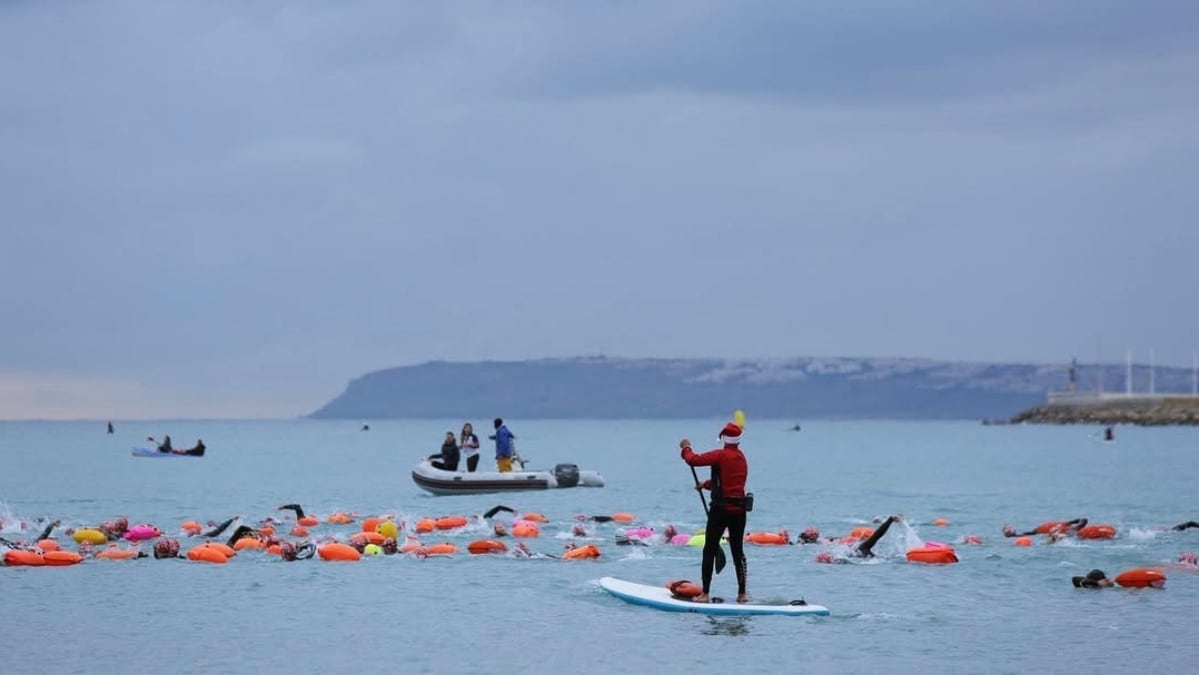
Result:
[{"x": 441, "y": 482}]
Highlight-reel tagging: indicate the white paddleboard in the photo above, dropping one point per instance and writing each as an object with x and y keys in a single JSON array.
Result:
[{"x": 659, "y": 597}]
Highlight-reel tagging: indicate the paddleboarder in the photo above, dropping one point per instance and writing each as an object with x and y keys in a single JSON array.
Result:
[{"x": 729, "y": 504}]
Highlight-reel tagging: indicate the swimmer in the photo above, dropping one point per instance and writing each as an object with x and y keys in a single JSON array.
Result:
[
  {"x": 245, "y": 531},
  {"x": 1185, "y": 526},
  {"x": 623, "y": 539},
  {"x": 864, "y": 549},
  {"x": 165, "y": 547},
  {"x": 49, "y": 528},
  {"x": 293, "y": 507},
  {"x": 1093, "y": 579},
  {"x": 219, "y": 529},
  {"x": 290, "y": 552},
  {"x": 1076, "y": 524}
]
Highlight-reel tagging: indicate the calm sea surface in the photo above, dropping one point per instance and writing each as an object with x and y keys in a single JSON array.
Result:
[{"x": 1002, "y": 609}]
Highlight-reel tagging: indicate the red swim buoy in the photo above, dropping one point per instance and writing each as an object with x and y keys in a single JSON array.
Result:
[
  {"x": 18, "y": 558},
  {"x": 622, "y": 517},
  {"x": 48, "y": 545},
  {"x": 440, "y": 549},
  {"x": 61, "y": 558},
  {"x": 371, "y": 537},
  {"x": 223, "y": 549},
  {"x": 484, "y": 546},
  {"x": 1023, "y": 541},
  {"x": 933, "y": 555},
  {"x": 581, "y": 552},
  {"x": 767, "y": 538},
  {"x": 449, "y": 523},
  {"x": 684, "y": 589},
  {"x": 861, "y": 532},
  {"x": 1101, "y": 531},
  {"x": 208, "y": 554},
  {"x": 1142, "y": 577},
  {"x": 308, "y": 521},
  {"x": 1052, "y": 526},
  {"x": 338, "y": 552}
]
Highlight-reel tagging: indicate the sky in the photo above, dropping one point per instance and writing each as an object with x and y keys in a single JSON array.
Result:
[{"x": 231, "y": 209}]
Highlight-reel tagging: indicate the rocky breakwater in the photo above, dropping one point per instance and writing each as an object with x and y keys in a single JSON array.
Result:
[{"x": 1156, "y": 411}]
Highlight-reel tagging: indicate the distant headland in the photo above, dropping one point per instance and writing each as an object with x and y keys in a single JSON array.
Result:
[{"x": 794, "y": 389}]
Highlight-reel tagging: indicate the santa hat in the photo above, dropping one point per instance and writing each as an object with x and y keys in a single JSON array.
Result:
[{"x": 730, "y": 434}]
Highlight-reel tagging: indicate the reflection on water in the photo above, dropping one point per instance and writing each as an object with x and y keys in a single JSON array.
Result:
[{"x": 737, "y": 625}]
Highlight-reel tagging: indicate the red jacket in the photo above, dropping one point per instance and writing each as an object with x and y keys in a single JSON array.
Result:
[{"x": 729, "y": 471}]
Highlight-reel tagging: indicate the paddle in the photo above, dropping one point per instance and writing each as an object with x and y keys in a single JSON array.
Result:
[{"x": 721, "y": 561}]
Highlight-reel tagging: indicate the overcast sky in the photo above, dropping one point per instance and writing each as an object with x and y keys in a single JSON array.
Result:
[{"x": 216, "y": 209}]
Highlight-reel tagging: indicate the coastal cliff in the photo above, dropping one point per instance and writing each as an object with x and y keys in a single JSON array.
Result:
[{"x": 792, "y": 388}]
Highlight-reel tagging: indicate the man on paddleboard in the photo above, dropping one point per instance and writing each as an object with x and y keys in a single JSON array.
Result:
[{"x": 729, "y": 504}]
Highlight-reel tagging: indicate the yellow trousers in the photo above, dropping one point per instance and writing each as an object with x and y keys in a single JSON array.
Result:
[{"x": 503, "y": 464}]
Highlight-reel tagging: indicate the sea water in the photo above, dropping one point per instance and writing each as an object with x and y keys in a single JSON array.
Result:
[{"x": 1001, "y": 609}]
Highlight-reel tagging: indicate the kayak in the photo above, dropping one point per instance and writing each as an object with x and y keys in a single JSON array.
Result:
[
  {"x": 441, "y": 482},
  {"x": 151, "y": 452},
  {"x": 659, "y": 597}
]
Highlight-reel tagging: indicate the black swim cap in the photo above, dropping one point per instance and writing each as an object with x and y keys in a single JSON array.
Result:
[{"x": 1096, "y": 575}]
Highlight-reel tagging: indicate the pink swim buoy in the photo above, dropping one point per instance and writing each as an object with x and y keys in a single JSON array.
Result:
[
  {"x": 142, "y": 532},
  {"x": 640, "y": 532},
  {"x": 680, "y": 539}
]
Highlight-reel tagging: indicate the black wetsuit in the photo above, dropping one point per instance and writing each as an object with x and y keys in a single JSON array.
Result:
[
  {"x": 865, "y": 549},
  {"x": 1186, "y": 526},
  {"x": 242, "y": 532},
  {"x": 448, "y": 459},
  {"x": 216, "y": 531},
  {"x": 720, "y": 519},
  {"x": 293, "y": 507},
  {"x": 46, "y": 532}
]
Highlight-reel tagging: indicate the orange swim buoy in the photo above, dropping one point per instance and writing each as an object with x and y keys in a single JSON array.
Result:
[
  {"x": 482, "y": 546},
  {"x": 411, "y": 546},
  {"x": 48, "y": 545},
  {"x": 267, "y": 530},
  {"x": 217, "y": 546},
  {"x": 440, "y": 549},
  {"x": 450, "y": 522},
  {"x": 208, "y": 554},
  {"x": 940, "y": 522},
  {"x": 1052, "y": 526},
  {"x": 18, "y": 558},
  {"x": 525, "y": 530},
  {"x": 766, "y": 538},
  {"x": 371, "y": 537},
  {"x": 369, "y": 524},
  {"x": 274, "y": 549},
  {"x": 426, "y": 525},
  {"x": 861, "y": 532},
  {"x": 933, "y": 555},
  {"x": 535, "y": 517},
  {"x": 308, "y": 521},
  {"x": 248, "y": 542},
  {"x": 339, "y": 519},
  {"x": 622, "y": 517},
  {"x": 684, "y": 589},
  {"x": 1101, "y": 531},
  {"x": 116, "y": 553},
  {"x": 61, "y": 558},
  {"x": 299, "y": 531},
  {"x": 582, "y": 552},
  {"x": 191, "y": 527},
  {"x": 1143, "y": 577},
  {"x": 1023, "y": 541},
  {"x": 338, "y": 552}
]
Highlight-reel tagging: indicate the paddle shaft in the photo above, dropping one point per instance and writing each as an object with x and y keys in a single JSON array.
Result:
[{"x": 721, "y": 561}]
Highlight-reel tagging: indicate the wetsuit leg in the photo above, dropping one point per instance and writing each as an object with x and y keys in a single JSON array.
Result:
[
  {"x": 293, "y": 507},
  {"x": 865, "y": 548},
  {"x": 715, "y": 529},
  {"x": 1186, "y": 526},
  {"x": 736, "y": 523},
  {"x": 216, "y": 531}
]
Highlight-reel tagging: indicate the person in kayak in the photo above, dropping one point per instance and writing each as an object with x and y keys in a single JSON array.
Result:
[
  {"x": 165, "y": 445},
  {"x": 728, "y": 507},
  {"x": 503, "y": 446}
]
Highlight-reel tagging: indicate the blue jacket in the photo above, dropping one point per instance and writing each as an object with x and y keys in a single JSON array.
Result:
[{"x": 503, "y": 442}]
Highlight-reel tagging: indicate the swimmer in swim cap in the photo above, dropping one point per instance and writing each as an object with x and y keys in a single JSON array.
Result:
[
  {"x": 809, "y": 536},
  {"x": 166, "y": 547},
  {"x": 1093, "y": 579},
  {"x": 390, "y": 547},
  {"x": 1068, "y": 526}
]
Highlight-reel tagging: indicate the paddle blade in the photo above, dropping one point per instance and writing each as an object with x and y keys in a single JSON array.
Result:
[
  {"x": 739, "y": 418},
  {"x": 721, "y": 561}
]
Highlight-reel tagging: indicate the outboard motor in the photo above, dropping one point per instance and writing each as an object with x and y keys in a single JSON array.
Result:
[{"x": 567, "y": 475}]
